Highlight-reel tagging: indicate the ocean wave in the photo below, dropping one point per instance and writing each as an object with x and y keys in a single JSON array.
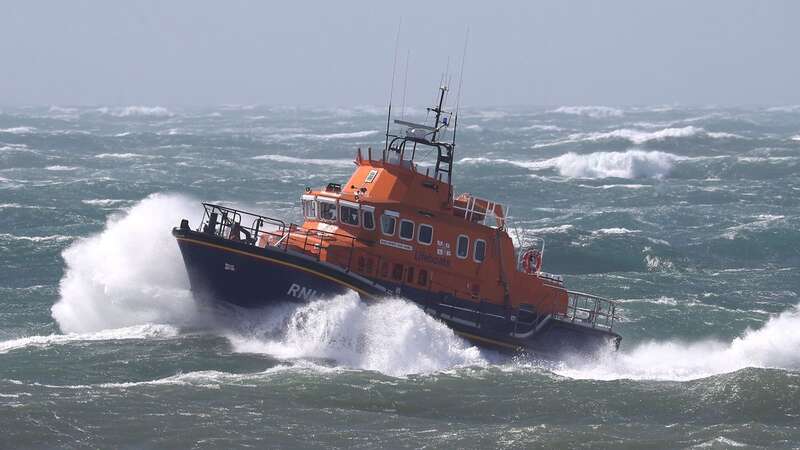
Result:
[
  {"x": 136, "y": 111},
  {"x": 122, "y": 155},
  {"x": 759, "y": 222},
  {"x": 325, "y": 137},
  {"x": 58, "y": 168},
  {"x": 595, "y": 112},
  {"x": 18, "y": 130},
  {"x": 628, "y": 164},
  {"x": 784, "y": 108},
  {"x": 542, "y": 127},
  {"x": 105, "y": 202},
  {"x": 638, "y": 136},
  {"x": 54, "y": 238},
  {"x": 145, "y": 331},
  {"x": 614, "y": 231},
  {"x": 774, "y": 345},
  {"x": 304, "y": 161}
]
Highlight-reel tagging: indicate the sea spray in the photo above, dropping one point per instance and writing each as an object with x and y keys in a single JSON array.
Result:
[
  {"x": 131, "y": 273},
  {"x": 774, "y": 345},
  {"x": 391, "y": 336}
]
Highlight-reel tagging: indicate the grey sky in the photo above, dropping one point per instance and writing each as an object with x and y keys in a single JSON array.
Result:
[{"x": 340, "y": 53}]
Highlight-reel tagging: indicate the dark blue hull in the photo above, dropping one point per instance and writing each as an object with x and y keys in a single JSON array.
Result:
[
  {"x": 221, "y": 270},
  {"x": 252, "y": 277}
]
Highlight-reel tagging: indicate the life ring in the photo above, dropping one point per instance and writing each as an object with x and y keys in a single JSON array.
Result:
[{"x": 532, "y": 261}]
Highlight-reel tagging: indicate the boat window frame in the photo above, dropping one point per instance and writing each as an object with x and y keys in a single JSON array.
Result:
[
  {"x": 475, "y": 251},
  {"x": 400, "y": 230},
  {"x": 330, "y": 201},
  {"x": 467, "y": 246},
  {"x": 364, "y": 210},
  {"x": 313, "y": 200},
  {"x": 351, "y": 205},
  {"x": 394, "y": 215},
  {"x": 419, "y": 227}
]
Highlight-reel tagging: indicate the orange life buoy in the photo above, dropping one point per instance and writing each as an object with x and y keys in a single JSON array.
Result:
[{"x": 532, "y": 261}]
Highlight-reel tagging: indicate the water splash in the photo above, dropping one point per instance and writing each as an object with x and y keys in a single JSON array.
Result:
[
  {"x": 391, "y": 336},
  {"x": 129, "y": 274},
  {"x": 775, "y": 345}
]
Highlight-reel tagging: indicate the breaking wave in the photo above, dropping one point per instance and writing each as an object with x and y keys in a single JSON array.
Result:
[
  {"x": 595, "y": 112},
  {"x": 136, "y": 111},
  {"x": 627, "y": 164},
  {"x": 390, "y": 336},
  {"x": 324, "y": 137},
  {"x": 146, "y": 331},
  {"x": 129, "y": 274},
  {"x": 774, "y": 345},
  {"x": 639, "y": 136},
  {"x": 304, "y": 161}
]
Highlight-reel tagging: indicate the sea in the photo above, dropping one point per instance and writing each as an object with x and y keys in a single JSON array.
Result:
[{"x": 688, "y": 217}]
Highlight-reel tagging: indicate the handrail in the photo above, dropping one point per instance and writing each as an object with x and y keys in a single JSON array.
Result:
[
  {"x": 228, "y": 223},
  {"x": 598, "y": 312}
]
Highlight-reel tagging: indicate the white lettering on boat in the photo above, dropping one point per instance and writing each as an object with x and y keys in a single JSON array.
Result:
[
  {"x": 399, "y": 245},
  {"x": 302, "y": 292}
]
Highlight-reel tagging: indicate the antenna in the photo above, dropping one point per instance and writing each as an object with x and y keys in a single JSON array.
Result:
[
  {"x": 391, "y": 91},
  {"x": 460, "y": 81},
  {"x": 405, "y": 85}
]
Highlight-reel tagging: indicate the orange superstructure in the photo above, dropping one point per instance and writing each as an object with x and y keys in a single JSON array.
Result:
[{"x": 393, "y": 222}]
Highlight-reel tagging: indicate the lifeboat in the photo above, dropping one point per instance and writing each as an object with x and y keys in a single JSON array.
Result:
[{"x": 396, "y": 230}]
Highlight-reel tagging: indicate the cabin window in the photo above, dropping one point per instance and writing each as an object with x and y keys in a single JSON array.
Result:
[
  {"x": 397, "y": 272},
  {"x": 406, "y": 229},
  {"x": 371, "y": 176},
  {"x": 422, "y": 279},
  {"x": 409, "y": 274},
  {"x": 462, "y": 249},
  {"x": 348, "y": 215},
  {"x": 327, "y": 211},
  {"x": 368, "y": 220},
  {"x": 310, "y": 209},
  {"x": 387, "y": 224},
  {"x": 480, "y": 250},
  {"x": 425, "y": 234}
]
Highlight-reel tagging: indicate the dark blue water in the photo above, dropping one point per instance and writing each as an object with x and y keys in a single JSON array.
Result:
[{"x": 689, "y": 217}]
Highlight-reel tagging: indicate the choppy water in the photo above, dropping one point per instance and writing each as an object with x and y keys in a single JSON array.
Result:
[{"x": 689, "y": 217}]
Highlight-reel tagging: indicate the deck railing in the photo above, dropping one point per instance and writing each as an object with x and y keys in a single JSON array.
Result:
[
  {"x": 255, "y": 229},
  {"x": 590, "y": 309}
]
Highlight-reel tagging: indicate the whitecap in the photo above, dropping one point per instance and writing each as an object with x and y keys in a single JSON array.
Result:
[
  {"x": 18, "y": 130},
  {"x": 614, "y": 231},
  {"x": 58, "y": 168},
  {"x": 145, "y": 331},
  {"x": 305, "y": 161},
  {"x": 55, "y": 237},
  {"x": 594, "y": 112},
  {"x": 121, "y": 155},
  {"x": 628, "y": 164},
  {"x": 136, "y": 111}
]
